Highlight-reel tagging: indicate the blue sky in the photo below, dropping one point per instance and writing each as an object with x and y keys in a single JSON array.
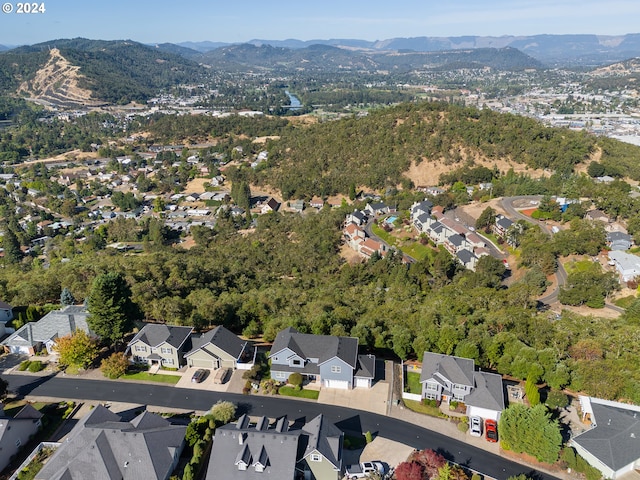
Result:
[{"x": 242, "y": 20}]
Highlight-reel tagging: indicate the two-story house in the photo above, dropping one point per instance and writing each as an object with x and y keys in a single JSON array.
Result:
[
  {"x": 277, "y": 452},
  {"x": 158, "y": 344},
  {"x": 16, "y": 431},
  {"x": 445, "y": 378},
  {"x": 217, "y": 348},
  {"x": 331, "y": 360}
]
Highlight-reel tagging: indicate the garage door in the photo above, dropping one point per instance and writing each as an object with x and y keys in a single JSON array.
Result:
[
  {"x": 19, "y": 350},
  {"x": 362, "y": 382},
  {"x": 200, "y": 363},
  {"x": 343, "y": 384}
]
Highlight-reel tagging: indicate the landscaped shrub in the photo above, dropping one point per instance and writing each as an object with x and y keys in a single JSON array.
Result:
[
  {"x": 35, "y": 366},
  {"x": 24, "y": 365},
  {"x": 556, "y": 399},
  {"x": 430, "y": 402},
  {"x": 295, "y": 379},
  {"x": 368, "y": 437},
  {"x": 463, "y": 426},
  {"x": 114, "y": 366}
]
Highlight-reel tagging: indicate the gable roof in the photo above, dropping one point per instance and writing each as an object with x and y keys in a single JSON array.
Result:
[
  {"x": 154, "y": 334},
  {"x": 102, "y": 446},
  {"x": 322, "y": 347},
  {"x": 221, "y": 338},
  {"x": 55, "y": 324},
  {"x": 366, "y": 367},
  {"x": 488, "y": 392},
  {"x": 275, "y": 449},
  {"x": 457, "y": 370},
  {"x": 325, "y": 438},
  {"x": 615, "y": 438}
]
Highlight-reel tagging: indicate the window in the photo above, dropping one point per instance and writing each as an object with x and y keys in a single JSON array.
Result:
[
  {"x": 297, "y": 363},
  {"x": 141, "y": 348},
  {"x": 316, "y": 457},
  {"x": 336, "y": 368},
  {"x": 281, "y": 374},
  {"x": 167, "y": 361},
  {"x": 166, "y": 350},
  {"x": 430, "y": 396},
  {"x": 432, "y": 387},
  {"x": 18, "y": 443}
]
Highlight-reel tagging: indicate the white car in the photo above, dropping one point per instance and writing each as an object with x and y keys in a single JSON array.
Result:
[{"x": 475, "y": 426}]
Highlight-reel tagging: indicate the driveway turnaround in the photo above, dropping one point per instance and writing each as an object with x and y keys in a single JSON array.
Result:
[{"x": 349, "y": 420}]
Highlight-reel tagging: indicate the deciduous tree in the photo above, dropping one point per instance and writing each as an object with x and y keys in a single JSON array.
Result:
[{"x": 78, "y": 350}]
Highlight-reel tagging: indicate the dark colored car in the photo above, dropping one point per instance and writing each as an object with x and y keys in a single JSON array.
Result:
[
  {"x": 199, "y": 375},
  {"x": 491, "y": 430}
]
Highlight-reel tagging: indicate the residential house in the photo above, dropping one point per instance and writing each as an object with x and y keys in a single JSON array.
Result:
[
  {"x": 6, "y": 315},
  {"x": 159, "y": 344},
  {"x": 377, "y": 208},
  {"x": 16, "y": 431},
  {"x": 445, "y": 378},
  {"x": 620, "y": 241},
  {"x": 358, "y": 217},
  {"x": 316, "y": 202},
  {"x": 277, "y": 452},
  {"x": 297, "y": 205},
  {"x": 369, "y": 246},
  {"x": 354, "y": 235},
  {"x": 420, "y": 208},
  {"x": 467, "y": 259},
  {"x": 437, "y": 232},
  {"x": 501, "y": 226},
  {"x": 217, "y": 348},
  {"x": 626, "y": 264},
  {"x": 101, "y": 446},
  {"x": 454, "y": 243},
  {"x": 33, "y": 336},
  {"x": 269, "y": 206},
  {"x": 192, "y": 197},
  {"x": 597, "y": 216},
  {"x": 612, "y": 443},
  {"x": 331, "y": 360}
]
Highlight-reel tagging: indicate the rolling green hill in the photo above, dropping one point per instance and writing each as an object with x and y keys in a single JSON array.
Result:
[{"x": 113, "y": 71}]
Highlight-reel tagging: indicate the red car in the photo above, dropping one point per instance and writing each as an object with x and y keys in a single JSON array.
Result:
[{"x": 491, "y": 430}]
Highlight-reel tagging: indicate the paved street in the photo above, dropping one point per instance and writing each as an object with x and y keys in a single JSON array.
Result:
[{"x": 403, "y": 431}]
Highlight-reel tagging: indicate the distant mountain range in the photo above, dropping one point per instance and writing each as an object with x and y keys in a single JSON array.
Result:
[{"x": 570, "y": 50}]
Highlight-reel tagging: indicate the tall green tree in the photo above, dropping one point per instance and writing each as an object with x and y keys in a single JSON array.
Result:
[
  {"x": 530, "y": 430},
  {"x": 111, "y": 311}
]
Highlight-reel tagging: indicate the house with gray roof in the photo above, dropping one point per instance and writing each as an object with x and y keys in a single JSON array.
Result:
[
  {"x": 331, "y": 360},
  {"x": 159, "y": 344},
  {"x": 626, "y": 264},
  {"x": 33, "y": 336},
  {"x": 612, "y": 444},
  {"x": 102, "y": 446},
  {"x": 445, "y": 378},
  {"x": 620, "y": 241},
  {"x": 467, "y": 258},
  {"x": 217, "y": 348},
  {"x": 277, "y": 451},
  {"x": 16, "y": 431}
]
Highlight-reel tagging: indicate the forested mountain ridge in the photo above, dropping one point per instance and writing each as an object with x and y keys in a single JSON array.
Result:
[
  {"x": 376, "y": 151},
  {"x": 113, "y": 71},
  {"x": 326, "y": 58}
]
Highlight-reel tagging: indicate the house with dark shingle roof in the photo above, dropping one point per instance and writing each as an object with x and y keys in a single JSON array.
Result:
[
  {"x": 277, "y": 452},
  {"x": 331, "y": 360},
  {"x": 612, "y": 444},
  {"x": 445, "y": 378},
  {"x": 33, "y": 336},
  {"x": 16, "y": 431},
  {"x": 159, "y": 344},
  {"x": 104, "y": 447},
  {"x": 217, "y": 348}
]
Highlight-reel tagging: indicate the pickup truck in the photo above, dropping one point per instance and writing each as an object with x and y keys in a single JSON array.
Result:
[{"x": 362, "y": 469}]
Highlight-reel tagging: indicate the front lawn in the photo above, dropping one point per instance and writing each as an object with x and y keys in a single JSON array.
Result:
[
  {"x": 417, "y": 250},
  {"x": 420, "y": 407},
  {"x": 172, "y": 379},
  {"x": 413, "y": 383},
  {"x": 384, "y": 235},
  {"x": 291, "y": 392}
]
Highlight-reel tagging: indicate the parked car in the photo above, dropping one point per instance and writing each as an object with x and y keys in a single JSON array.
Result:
[
  {"x": 221, "y": 376},
  {"x": 475, "y": 426},
  {"x": 491, "y": 430},
  {"x": 363, "y": 469},
  {"x": 199, "y": 375}
]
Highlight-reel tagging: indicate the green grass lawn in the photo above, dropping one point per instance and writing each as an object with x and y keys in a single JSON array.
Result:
[
  {"x": 290, "y": 392},
  {"x": 173, "y": 379},
  {"x": 582, "y": 266},
  {"x": 417, "y": 250},
  {"x": 387, "y": 237},
  {"x": 625, "y": 302},
  {"x": 11, "y": 408},
  {"x": 421, "y": 408},
  {"x": 413, "y": 382}
]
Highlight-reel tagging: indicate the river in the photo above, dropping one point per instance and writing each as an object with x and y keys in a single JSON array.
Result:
[{"x": 295, "y": 104}]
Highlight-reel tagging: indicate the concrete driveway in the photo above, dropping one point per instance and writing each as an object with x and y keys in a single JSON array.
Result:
[
  {"x": 372, "y": 399},
  {"x": 10, "y": 361},
  {"x": 206, "y": 384}
]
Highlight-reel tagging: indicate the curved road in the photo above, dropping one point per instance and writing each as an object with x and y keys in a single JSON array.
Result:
[
  {"x": 561, "y": 273},
  {"x": 346, "y": 419}
]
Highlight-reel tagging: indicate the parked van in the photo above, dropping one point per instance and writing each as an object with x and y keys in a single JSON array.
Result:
[{"x": 221, "y": 376}]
